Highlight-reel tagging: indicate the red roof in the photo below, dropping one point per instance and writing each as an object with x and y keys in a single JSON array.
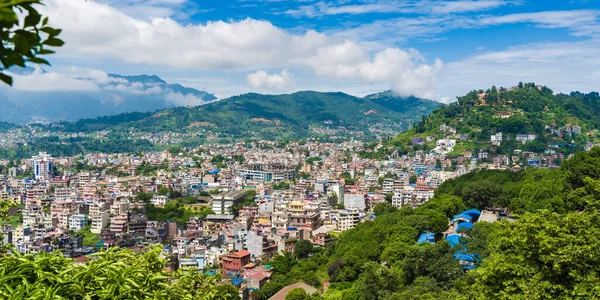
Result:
[{"x": 242, "y": 253}]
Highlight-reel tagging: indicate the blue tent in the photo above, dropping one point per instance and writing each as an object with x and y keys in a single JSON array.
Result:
[
  {"x": 470, "y": 215},
  {"x": 453, "y": 239},
  {"x": 464, "y": 226},
  {"x": 426, "y": 237}
]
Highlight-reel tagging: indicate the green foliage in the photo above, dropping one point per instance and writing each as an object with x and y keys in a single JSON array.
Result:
[
  {"x": 89, "y": 239},
  {"x": 384, "y": 208},
  {"x": 299, "y": 294},
  {"x": 176, "y": 211},
  {"x": 281, "y": 185},
  {"x": 25, "y": 36},
  {"x": 543, "y": 256},
  {"x": 113, "y": 274},
  {"x": 303, "y": 249}
]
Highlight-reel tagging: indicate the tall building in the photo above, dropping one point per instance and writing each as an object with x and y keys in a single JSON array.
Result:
[{"x": 42, "y": 166}]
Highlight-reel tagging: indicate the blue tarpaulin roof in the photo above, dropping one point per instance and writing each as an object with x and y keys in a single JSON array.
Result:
[
  {"x": 464, "y": 256},
  {"x": 463, "y": 226},
  {"x": 470, "y": 215},
  {"x": 426, "y": 237},
  {"x": 453, "y": 239},
  {"x": 213, "y": 172}
]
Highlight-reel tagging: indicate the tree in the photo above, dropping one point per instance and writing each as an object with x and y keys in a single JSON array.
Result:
[
  {"x": 389, "y": 196},
  {"x": 377, "y": 282},
  {"x": 163, "y": 190},
  {"x": 384, "y": 208},
  {"x": 24, "y": 40},
  {"x": 297, "y": 294},
  {"x": 303, "y": 249},
  {"x": 543, "y": 256},
  {"x": 412, "y": 179}
]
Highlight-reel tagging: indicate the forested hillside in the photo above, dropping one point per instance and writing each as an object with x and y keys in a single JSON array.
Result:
[
  {"x": 551, "y": 250},
  {"x": 271, "y": 116},
  {"x": 529, "y": 117}
]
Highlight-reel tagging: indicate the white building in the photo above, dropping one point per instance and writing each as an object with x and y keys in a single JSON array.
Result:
[
  {"x": 159, "y": 200},
  {"x": 345, "y": 219},
  {"x": 77, "y": 222},
  {"x": 99, "y": 219},
  {"x": 445, "y": 146},
  {"x": 42, "y": 166},
  {"x": 496, "y": 139}
]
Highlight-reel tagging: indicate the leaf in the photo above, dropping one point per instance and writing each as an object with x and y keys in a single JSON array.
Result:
[
  {"x": 51, "y": 31},
  {"x": 32, "y": 19},
  {"x": 45, "y": 51},
  {"x": 54, "y": 42},
  {"x": 38, "y": 60},
  {"x": 6, "y": 79}
]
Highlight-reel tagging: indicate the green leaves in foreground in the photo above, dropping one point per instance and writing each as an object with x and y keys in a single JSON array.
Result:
[
  {"x": 113, "y": 274},
  {"x": 24, "y": 39}
]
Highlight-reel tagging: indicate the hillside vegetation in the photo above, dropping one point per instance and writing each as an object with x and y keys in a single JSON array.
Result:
[
  {"x": 271, "y": 116},
  {"x": 565, "y": 123}
]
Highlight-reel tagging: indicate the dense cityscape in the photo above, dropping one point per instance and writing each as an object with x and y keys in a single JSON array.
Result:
[{"x": 299, "y": 150}]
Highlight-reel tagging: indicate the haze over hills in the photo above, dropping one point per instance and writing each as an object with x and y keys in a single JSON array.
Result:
[{"x": 113, "y": 95}]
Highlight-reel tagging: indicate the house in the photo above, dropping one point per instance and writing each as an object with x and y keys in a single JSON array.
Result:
[
  {"x": 233, "y": 264},
  {"x": 496, "y": 139}
]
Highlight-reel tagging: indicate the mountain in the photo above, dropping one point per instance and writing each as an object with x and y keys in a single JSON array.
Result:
[
  {"x": 526, "y": 117},
  {"x": 275, "y": 116},
  {"x": 109, "y": 96}
]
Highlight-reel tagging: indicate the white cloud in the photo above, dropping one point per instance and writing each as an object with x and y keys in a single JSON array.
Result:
[
  {"x": 274, "y": 82},
  {"x": 418, "y": 82},
  {"x": 560, "y": 66},
  {"x": 424, "y": 28},
  {"x": 50, "y": 81},
  {"x": 179, "y": 99},
  {"x": 136, "y": 88},
  {"x": 320, "y": 9},
  {"x": 449, "y": 7},
  {"x": 95, "y": 31}
]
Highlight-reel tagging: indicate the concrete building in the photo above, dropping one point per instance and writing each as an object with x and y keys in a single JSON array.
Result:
[
  {"x": 222, "y": 203},
  {"x": 77, "y": 222},
  {"x": 42, "y": 166}
]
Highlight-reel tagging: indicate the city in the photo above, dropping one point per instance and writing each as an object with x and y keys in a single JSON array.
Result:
[{"x": 299, "y": 150}]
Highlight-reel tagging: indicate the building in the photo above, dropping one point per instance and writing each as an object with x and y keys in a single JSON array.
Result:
[
  {"x": 42, "y": 166},
  {"x": 496, "y": 139},
  {"x": 266, "y": 172},
  {"x": 345, "y": 219},
  {"x": 159, "y": 200},
  {"x": 233, "y": 264},
  {"x": 222, "y": 203},
  {"x": 357, "y": 201},
  {"x": 77, "y": 222}
]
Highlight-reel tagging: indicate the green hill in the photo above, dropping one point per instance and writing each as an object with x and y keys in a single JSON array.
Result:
[
  {"x": 294, "y": 115},
  {"x": 564, "y": 123}
]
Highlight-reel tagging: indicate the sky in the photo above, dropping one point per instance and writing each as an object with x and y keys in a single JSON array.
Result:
[{"x": 431, "y": 49}]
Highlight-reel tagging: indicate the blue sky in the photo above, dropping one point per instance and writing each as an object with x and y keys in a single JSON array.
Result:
[{"x": 436, "y": 49}]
